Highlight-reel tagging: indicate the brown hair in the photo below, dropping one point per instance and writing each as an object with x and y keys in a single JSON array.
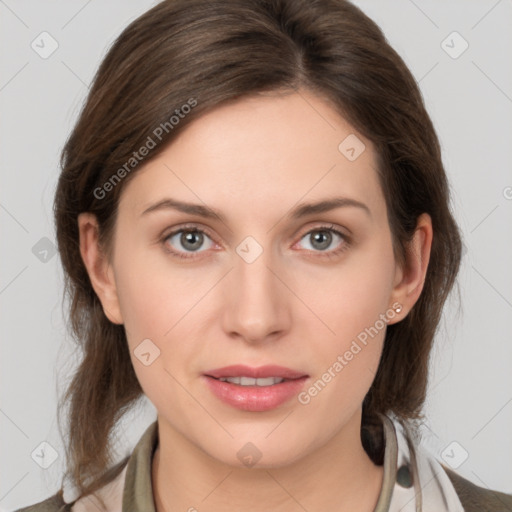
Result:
[{"x": 206, "y": 53}]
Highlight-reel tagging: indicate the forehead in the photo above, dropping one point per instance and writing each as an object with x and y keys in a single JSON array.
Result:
[{"x": 263, "y": 153}]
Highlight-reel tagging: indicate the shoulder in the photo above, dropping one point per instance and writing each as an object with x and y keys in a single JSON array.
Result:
[
  {"x": 109, "y": 495},
  {"x": 450, "y": 491},
  {"x": 54, "y": 503},
  {"x": 475, "y": 498},
  {"x": 136, "y": 467}
]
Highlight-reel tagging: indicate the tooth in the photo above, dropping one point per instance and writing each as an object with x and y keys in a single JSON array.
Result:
[
  {"x": 268, "y": 381},
  {"x": 247, "y": 381},
  {"x": 250, "y": 381}
]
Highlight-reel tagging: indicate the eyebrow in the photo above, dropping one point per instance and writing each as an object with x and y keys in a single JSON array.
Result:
[{"x": 303, "y": 210}]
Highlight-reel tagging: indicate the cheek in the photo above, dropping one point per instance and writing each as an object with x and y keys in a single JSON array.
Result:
[
  {"x": 148, "y": 316},
  {"x": 347, "y": 359},
  {"x": 351, "y": 300},
  {"x": 159, "y": 305},
  {"x": 150, "y": 291},
  {"x": 142, "y": 305}
]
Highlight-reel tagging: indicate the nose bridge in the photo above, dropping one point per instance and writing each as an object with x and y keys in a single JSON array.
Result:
[{"x": 256, "y": 303}]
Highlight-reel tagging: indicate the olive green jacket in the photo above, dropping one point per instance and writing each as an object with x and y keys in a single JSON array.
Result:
[{"x": 407, "y": 470}]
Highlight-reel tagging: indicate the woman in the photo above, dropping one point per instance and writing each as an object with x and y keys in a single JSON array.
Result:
[{"x": 286, "y": 348}]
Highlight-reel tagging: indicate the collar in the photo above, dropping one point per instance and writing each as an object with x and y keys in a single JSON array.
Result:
[
  {"x": 414, "y": 481},
  {"x": 419, "y": 482}
]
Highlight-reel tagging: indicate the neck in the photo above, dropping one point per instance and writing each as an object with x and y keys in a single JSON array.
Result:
[{"x": 337, "y": 476}]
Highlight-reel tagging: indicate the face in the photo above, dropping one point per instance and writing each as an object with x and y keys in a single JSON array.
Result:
[{"x": 265, "y": 281}]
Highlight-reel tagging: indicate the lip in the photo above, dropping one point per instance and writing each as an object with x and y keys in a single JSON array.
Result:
[
  {"x": 260, "y": 372},
  {"x": 255, "y": 398}
]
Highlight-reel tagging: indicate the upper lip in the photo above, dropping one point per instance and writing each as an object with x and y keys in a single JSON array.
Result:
[{"x": 240, "y": 370}]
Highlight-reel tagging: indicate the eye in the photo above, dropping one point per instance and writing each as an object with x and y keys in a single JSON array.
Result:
[
  {"x": 323, "y": 237},
  {"x": 186, "y": 240}
]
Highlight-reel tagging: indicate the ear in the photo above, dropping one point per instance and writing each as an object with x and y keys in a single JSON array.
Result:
[
  {"x": 410, "y": 278},
  {"x": 98, "y": 267}
]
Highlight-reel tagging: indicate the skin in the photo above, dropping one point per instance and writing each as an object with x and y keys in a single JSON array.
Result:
[{"x": 254, "y": 160}]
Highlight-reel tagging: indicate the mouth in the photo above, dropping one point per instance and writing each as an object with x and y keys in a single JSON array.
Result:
[{"x": 255, "y": 389}]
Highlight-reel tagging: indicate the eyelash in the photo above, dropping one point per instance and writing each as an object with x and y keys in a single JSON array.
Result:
[{"x": 194, "y": 229}]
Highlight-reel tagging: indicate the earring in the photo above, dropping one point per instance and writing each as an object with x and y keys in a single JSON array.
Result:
[{"x": 398, "y": 309}]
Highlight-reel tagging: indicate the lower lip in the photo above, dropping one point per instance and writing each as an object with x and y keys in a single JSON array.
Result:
[{"x": 255, "y": 398}]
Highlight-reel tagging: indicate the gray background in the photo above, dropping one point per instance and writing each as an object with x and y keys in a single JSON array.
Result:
[{"x": 470, "y": 101}]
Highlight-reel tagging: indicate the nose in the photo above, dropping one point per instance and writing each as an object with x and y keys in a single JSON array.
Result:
[{"x": 256, "y": 306}]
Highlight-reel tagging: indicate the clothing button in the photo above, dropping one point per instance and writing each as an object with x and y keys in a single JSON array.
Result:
[{"x": 404, "y": 476}]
